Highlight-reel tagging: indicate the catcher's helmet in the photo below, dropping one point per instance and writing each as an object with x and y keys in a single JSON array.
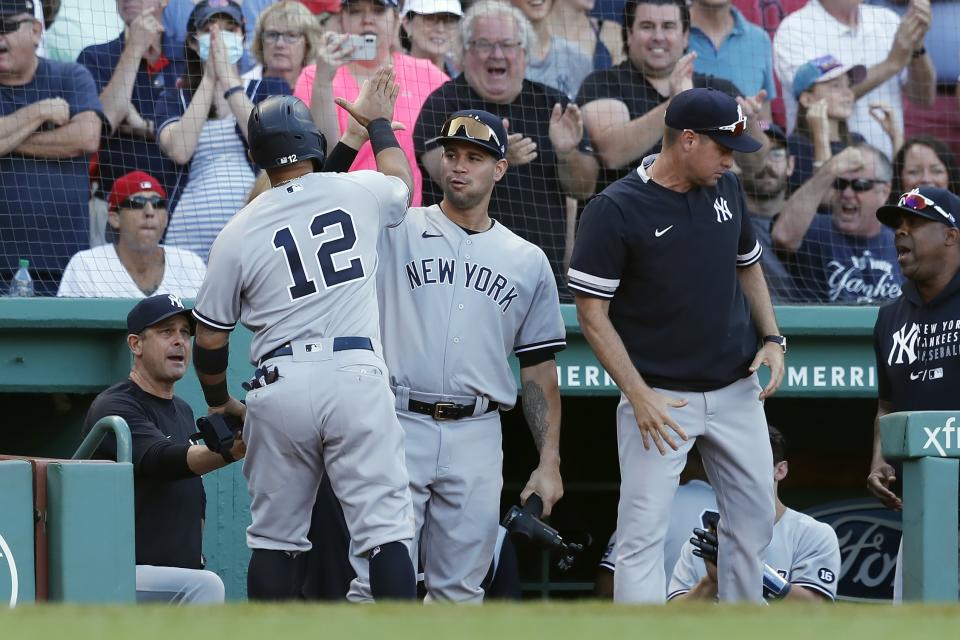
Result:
[{"x": 282, "y": 132}]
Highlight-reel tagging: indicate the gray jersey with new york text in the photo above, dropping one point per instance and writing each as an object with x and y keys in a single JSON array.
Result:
[
  {"x": 299, "y": 261},
  {"x": 455, "y": 305}
]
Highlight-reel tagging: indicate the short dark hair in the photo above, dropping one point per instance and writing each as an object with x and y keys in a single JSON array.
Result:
[
  {"x": 778, "y": 444},
  {"x": 670, "y": 137},
  {"x": 630, "y": 12}
]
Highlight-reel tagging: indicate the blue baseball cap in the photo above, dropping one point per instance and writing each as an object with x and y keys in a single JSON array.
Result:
[
  {"x": 714, "y": 114},
  {"x": 823, "y": 69},
  {"x": 476, "y": 126},
  {"x": 15, "y": 7},
  {"x": 393, "y": 4},
  {"x": 932, "y": 203},
  {"x": 154, "y": 309},
  {"x": 206, "y": 10}
]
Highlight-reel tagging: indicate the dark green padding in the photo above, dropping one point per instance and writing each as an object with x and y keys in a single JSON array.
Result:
[
  {"x": 90, "y": 532},
  {"x": 17, "y": 585}
]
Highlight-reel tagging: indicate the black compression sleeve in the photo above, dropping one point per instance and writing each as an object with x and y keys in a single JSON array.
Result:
[
  {"x": 165, "y": 461},
  {"x": 531, "y": 358},
  {"x": 340, "y": 158}
]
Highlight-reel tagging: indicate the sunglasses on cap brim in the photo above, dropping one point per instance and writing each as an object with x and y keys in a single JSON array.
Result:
[
  {"x": 918, "y": 202},
  {"x": 735, "y": 129},
  {"x": 474, "y": 129}
]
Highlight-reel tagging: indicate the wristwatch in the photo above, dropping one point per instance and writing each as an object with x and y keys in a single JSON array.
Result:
[
  {"x": 919, "y": 53},
  {"x": 780, "y": 340}
]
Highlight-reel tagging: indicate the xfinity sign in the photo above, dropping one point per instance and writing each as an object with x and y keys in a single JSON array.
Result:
[{"x": 947, "y": 434}]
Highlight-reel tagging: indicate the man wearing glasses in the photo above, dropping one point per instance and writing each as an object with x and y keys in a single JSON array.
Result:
[
  {"x": 848, "y": 256},
  {"x": 130, "y": 73},
  {"x": 671, "y": 296},
  {"x": 470, "y": 293},
  {"x": 137, "y": 265},
  {"x": 548, "y": 153},
  {"x": 50, "y": 120},
  {"x": 918, "y": 356}
]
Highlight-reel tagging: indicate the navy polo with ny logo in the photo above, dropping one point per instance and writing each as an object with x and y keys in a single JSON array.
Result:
[{"x": 667, "y": 261}]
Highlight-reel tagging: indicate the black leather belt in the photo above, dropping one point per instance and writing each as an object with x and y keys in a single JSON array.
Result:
[
  {"x": 339, "y": 344},
  {"x": 447, "y": 410}
]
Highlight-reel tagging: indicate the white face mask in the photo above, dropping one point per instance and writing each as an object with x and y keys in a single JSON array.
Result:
[{"x": 233, "y": 42}]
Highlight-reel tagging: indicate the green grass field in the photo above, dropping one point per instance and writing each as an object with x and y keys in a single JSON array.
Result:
[{"x": 583, "y": 621}]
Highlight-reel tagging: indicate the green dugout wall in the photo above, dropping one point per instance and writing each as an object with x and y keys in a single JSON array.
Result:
[{"x": 55, "y": 355}]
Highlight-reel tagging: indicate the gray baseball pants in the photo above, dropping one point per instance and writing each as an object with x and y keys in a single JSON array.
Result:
[{"x": 730, "y": 429}]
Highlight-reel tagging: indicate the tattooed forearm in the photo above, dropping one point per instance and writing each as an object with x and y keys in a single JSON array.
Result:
[{"x": 535, "y": 411}]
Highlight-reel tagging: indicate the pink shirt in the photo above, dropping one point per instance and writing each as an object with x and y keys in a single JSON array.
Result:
[{"x": 417, "y": 79}]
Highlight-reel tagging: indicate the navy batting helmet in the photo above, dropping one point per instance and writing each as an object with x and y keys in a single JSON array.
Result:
[{"x": 282, "y": 132}]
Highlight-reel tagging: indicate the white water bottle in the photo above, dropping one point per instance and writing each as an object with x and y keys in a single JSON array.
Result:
[{"x": 22, "y": 284}]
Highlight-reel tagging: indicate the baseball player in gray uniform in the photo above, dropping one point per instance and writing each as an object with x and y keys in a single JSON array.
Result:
[
  {"x": 802, "y": 560},
  {"x": 297, "y": 266},
  {"x": 470, "y": 293}
]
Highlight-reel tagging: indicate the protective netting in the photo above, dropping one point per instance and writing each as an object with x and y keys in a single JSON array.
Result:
[{"x": 112, "y": 88}]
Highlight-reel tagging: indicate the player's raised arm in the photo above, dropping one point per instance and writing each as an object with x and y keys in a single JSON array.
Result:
[{"x": 373, "y": 108}]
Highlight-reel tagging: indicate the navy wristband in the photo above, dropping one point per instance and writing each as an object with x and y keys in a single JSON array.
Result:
[
  {"x": 232, "y": 90},
  {"x": 381, "y": 135}
]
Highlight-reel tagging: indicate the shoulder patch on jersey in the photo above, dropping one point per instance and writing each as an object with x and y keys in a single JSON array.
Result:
[{"x": 826, "y": 575}]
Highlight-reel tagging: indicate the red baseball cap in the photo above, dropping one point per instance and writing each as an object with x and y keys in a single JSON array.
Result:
[
  {"x": 131, "y": 183},
  {"x": 321, "y": 6}
]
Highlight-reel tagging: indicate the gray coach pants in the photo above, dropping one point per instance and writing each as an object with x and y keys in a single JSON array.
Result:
[
  {"x": 730, "y": 429},
  {"x": 175, "y": 585}
]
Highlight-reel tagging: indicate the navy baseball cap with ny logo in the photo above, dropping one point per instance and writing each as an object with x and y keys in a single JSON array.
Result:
[
  {"x": 154, "y": 309},
  {"x": 714, "y": 114}
]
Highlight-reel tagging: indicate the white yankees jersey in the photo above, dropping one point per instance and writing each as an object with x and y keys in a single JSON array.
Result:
[
  {"x": 803, "y": 550},
  {"x": 299, "y": 261},
  {"x": 474, "y": 299}
]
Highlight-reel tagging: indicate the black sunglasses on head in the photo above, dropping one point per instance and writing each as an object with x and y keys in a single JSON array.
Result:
[
  {"x": 859, "y": 185},
  {"x": 141, "y": 202},
  {"x": 9, "y": 25}
]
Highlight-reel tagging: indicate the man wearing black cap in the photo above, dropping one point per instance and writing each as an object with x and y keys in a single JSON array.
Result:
[
  {"x": 671, "y": 296},
  {"x": 915, "y": 337},
  {"x": 168, "y": 492},
  {"x": 50, "y": 120},
  {"x": 765, "y": 194},
  {"x": 459, "y": 293}
]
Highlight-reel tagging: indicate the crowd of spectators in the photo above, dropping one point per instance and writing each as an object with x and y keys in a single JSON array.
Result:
[{"x": 855, "y": 103}]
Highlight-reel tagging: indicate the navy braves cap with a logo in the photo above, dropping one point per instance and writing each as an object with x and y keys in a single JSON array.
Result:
[
  {"x": 932, "y": 203},
  {"x": 773, "y": 132},
  {"x": 14, "y": 7},
  {"x": 480, "y": 127},
  {"x": 154, "y": 309},
  {"x": 205, "y": 10},
  {"x": 714, "y": 114}
]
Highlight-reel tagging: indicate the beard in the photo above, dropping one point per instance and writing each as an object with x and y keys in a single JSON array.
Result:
[
  {"x": 462, "y": 200},
  {"x": 764, "y": 185}
]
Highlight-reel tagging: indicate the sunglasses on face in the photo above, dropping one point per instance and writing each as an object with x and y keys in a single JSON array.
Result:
[
  {"x": 474, "y": 129},
  {"x": 859, "y": 185},
  {"x": 141, "y": 202},
  {"x": 9, "y": 25},
  {"x": 918, "y": 202}
]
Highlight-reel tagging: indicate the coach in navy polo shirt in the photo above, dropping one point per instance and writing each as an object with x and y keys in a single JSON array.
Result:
[
  {"x": 130, "y": 74},
  {"x": 671, "y": 296},
  {"x": 917, "y": 337},
  {"x": 50, "y": 122}
]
